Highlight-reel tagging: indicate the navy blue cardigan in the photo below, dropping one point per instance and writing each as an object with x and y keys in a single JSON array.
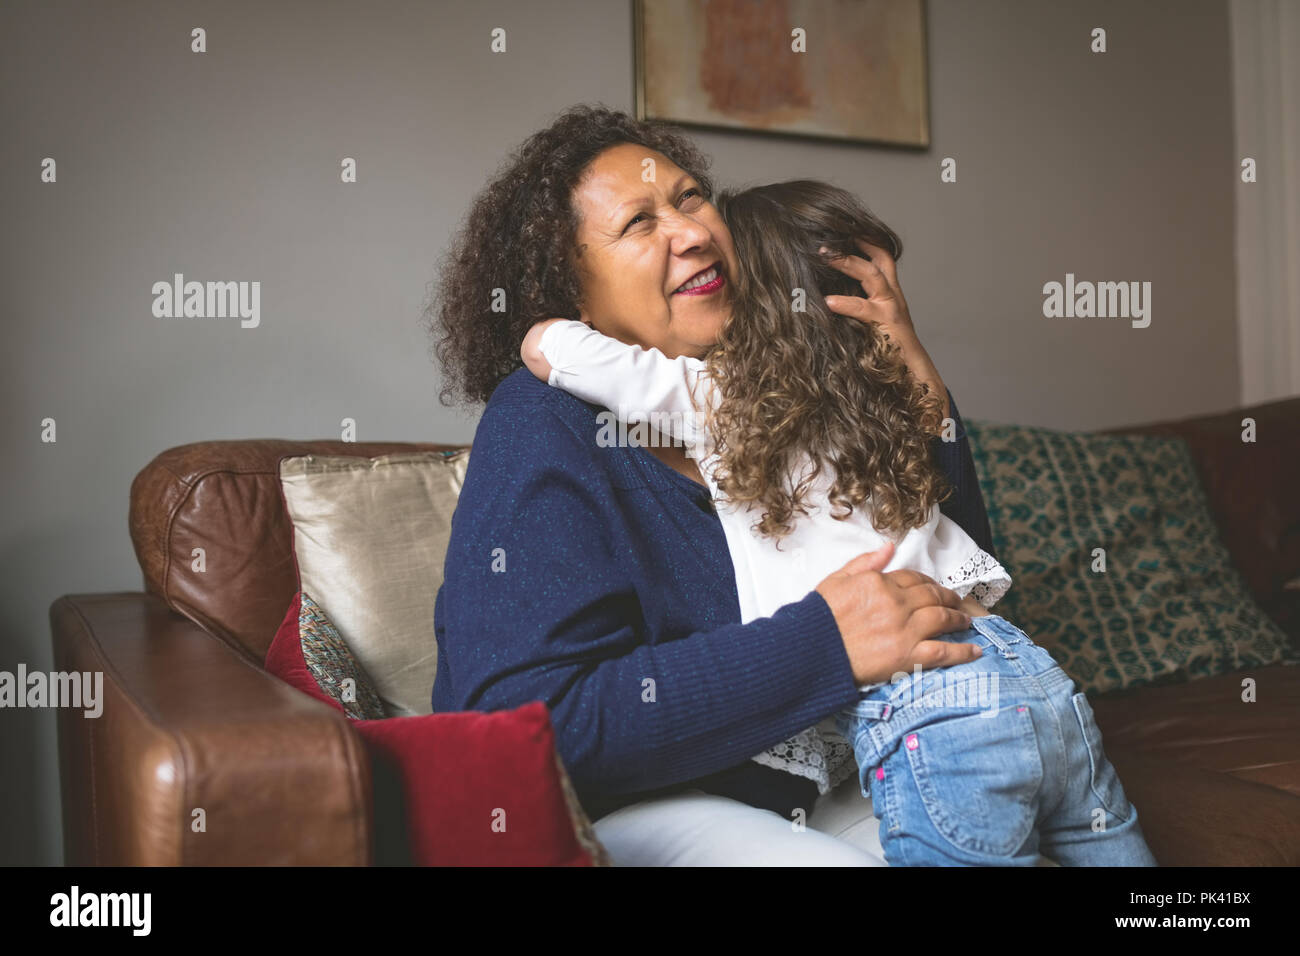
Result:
[{"x": 597, "y": 579}]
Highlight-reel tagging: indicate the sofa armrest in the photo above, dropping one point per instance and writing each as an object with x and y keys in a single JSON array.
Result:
[{"x": 189, "y": 724}]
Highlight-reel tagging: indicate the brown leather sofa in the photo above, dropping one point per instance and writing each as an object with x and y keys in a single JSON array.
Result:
[{"x": 192, "y": 720}]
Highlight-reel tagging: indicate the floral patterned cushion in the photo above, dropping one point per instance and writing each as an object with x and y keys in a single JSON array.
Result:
[
  {"x": 1116, "y": 562},
  {"x": 332, "y": 665},
  {"x": 582, "y": 827}
]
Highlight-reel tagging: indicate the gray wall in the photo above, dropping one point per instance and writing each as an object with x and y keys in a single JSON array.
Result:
[{"x": 226, "y": 166}]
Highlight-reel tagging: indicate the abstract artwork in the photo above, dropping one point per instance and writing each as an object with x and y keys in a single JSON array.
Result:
[{"x": 839, "y": 69}]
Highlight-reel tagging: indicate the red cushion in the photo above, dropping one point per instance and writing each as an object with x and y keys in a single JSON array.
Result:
[
  {"x": 479, "y": 789},
  {"x": 284, "y": 657}
]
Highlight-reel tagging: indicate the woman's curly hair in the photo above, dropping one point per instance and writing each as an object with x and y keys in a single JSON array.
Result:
[
  {"x": 795, "y": 378},
  {"x": 512, "y": 262}
]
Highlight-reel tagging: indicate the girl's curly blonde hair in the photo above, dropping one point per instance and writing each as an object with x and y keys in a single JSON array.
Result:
[{"x": 795, "y": 378}]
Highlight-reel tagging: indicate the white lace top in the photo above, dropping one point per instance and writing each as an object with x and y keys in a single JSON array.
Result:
[{"x": 645, "y": 386}]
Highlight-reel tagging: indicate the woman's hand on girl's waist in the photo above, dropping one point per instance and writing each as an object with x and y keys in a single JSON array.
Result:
[
  {"x": 888, "y": 619},
  {"x": 973, "y": 607}
]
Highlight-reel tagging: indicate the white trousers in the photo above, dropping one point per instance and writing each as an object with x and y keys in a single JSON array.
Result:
[{"x": 694, "y": 828}]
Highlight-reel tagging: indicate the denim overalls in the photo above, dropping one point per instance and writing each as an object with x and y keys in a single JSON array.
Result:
[{"x": 991, "y": 762}]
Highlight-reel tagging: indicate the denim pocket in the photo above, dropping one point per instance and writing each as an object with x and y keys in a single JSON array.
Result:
[
  {"x": 1104, "y": 780},
  {"x": 978, "y": 777}
]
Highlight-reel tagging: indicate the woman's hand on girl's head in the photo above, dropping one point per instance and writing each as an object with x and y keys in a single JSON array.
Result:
[
  {"x": 879, "y": 277},
  {"x": 530, "y": 350},
  {"x": 886, "y": 307}
]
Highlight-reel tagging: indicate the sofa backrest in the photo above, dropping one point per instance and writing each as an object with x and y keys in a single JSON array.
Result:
[{"x": 224, "y": 497}]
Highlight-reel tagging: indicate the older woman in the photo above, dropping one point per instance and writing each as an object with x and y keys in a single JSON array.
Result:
[{"x": 597, "y": 578}]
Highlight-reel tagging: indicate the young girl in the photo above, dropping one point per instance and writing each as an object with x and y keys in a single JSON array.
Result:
[{"x": 814, "y": 440}]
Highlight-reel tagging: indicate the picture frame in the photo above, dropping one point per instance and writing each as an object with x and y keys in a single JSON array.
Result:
[{"x": 743, "y": 85}]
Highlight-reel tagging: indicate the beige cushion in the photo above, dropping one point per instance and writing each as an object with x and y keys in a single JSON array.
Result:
[{"x": 370, "y": 536}]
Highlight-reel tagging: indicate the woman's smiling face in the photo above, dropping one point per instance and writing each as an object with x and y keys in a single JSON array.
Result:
[{"x": 640, "y": 242}]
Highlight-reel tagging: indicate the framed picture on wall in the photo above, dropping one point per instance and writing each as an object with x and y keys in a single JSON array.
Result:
[{"x": 836, "y": 69}]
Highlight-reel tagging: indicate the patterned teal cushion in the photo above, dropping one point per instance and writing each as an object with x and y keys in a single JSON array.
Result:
[
  {"x": 332, "y": 665},
  {"x": 1169, "y": 606}
]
